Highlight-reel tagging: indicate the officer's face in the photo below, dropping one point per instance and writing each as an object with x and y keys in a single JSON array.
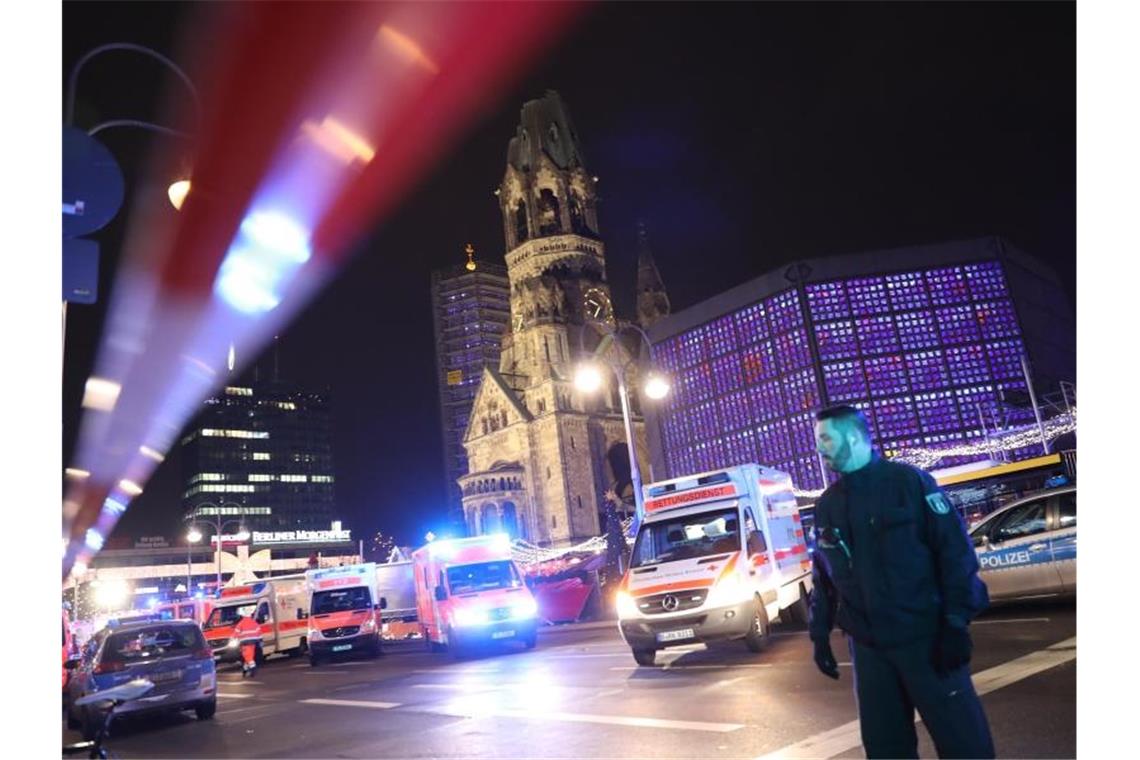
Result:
[{"x": 833, "y": 445}]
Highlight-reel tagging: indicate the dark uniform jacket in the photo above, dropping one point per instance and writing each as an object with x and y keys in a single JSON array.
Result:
[{"x": 892, "y": 561}]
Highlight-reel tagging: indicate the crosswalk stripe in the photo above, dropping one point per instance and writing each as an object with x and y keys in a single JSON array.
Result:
[
  {"x": 613, "y": 720},
  {"x": 350, "y": 703}
]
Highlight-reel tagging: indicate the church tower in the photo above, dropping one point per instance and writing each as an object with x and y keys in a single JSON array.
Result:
[
  {"x": 652, "y": 300},
  {"x": 540, "y": 453}
]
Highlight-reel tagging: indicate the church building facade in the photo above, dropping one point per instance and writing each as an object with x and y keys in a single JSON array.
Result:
[{"x": 541, "y": 455}]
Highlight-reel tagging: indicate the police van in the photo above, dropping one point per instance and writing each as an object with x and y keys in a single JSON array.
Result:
[
  {"x": 720, "y": 555},
  {"x": 1029, "y": 548}
]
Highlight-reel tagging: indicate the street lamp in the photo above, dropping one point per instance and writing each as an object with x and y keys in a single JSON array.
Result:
[
  {"x": 588, "y": 378},
  {"x": 219, "y": 525}
]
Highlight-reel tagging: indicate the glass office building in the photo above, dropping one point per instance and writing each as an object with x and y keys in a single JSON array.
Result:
[
  {"x": 470, "y": 311},
  {"x": 262, "y": 452},
  {"x": 927, "y": 341}
]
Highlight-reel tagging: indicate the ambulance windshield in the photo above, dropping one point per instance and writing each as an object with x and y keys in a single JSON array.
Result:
[
  {"x": 482, "y": 576},
  {"x": 687, "y": 537},
  {"x": 226, "y": 616},
  {"x": 341, "y": 600}
]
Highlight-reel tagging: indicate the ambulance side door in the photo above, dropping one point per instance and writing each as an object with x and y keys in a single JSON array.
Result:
[{"x": 759, "y": 557}]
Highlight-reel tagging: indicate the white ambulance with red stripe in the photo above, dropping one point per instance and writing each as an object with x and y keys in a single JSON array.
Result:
[
  {"x": 279, "y": 605},
  {"x": 344, "y": 612},
  {"x": 719, "y": 555}
]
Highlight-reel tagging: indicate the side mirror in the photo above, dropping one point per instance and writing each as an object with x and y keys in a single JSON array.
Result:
[
  {"x": 71, "y": 664},
  {"x": 301, "y": 614},
  {"x": 383, "y": 603},
  {"x": 440, "y": 593}
]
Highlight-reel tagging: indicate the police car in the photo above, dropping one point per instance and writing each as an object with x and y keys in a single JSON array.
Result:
[{"x": 1029, "y": 548}]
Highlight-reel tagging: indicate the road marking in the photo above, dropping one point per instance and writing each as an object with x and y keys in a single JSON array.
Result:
[
  {"x": 613, "y": 720},
  {"x": 1010, "y": 620},
  {"x": 350, "y": 703},
  {"x": 235, "y": 696},
  {"x": 320, "y": 673},
  {"x": 846, "y": 737},
  {"x": 575, "y": 656},
  {"x": 695, "y": 667},
  {"x": 723, "y": 683},
  {"x": 437, "y": 671}
]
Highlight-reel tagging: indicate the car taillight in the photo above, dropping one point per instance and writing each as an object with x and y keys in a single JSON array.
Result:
[
  {"x": 109, "y": 667},
  {"x": 202, "y": 654}
]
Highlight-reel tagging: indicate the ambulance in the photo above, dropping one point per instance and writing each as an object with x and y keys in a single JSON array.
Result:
[
  {"x": 186, "y": 609},
  {"x": 344, "y": 611},
  {"x": 279, "y": 605},
  {"x": 469, "y": 592},
  {"x": 719, "y": 555}
]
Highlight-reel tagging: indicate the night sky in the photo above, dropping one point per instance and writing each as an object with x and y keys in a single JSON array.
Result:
[{"x": 745, "y": 135}]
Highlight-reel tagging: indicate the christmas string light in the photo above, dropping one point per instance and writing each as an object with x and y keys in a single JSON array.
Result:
[{"x": 1012, "y": 440}]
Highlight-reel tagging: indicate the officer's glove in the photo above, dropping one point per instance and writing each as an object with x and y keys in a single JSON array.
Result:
[
  {"x": 952, "y": 648},
  {"x": 825, "y": 659}
]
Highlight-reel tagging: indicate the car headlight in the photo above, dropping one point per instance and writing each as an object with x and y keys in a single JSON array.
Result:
[
  {"x": 729, "y": 590},
  {"x": 368, "y": 625},
  {"x": 314, "y": 634},
  {"x": 470, "y": 616},
  {"x": 232, "y": 643},
  {"x": 626, "y": 607},
  {"x": 527, "y": 608}
]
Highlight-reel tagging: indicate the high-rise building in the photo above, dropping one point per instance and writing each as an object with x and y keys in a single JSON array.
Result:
[
  {"x": 541, "y": 455},
  {"x": 470, "y": 309},
  {"x": 928, "y": 341},
  {"x": 262, "y": 449}
]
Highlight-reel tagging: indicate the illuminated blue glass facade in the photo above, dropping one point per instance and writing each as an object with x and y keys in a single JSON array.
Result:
[{"x": 926, "y": 352}]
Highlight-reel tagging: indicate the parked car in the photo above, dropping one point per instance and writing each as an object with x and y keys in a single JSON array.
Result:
[
  {"x": 1029, "y": 548},
  {"x": 172, "y": 654}
]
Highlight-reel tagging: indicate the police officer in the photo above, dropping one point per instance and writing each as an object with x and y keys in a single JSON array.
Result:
[{"x": 894, "y": 568}]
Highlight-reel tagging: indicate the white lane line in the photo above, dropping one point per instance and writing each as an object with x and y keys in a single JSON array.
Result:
[
  {"x": 458, "y": 686},
  {"x": 723, "y": 683},
  {"x": 350, "y": 703},
  {"x": 613, "y": 720},
  {"x": 576, "y": 656},
  {"x": 846, "y": 737},
  {"x": 1010, "y": 620},
  {"x": 235, "y": 696},
  {"x": 320, "y": 673},
  {"x": 696, "y": 667}
]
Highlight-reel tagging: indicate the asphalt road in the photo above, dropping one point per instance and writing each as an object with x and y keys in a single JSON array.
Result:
[{"x": 579, "y": 694}]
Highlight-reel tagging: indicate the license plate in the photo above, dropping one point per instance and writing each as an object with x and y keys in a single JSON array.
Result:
[
  {"x": 342, "y": 647},
  {"x": 167, "y": 677},
  {"x": 684, "y": 633},
  {"x": 502, "y": 634}
]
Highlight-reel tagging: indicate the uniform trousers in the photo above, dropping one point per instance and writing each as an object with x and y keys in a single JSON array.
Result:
[{"x": 891, "y": 683}]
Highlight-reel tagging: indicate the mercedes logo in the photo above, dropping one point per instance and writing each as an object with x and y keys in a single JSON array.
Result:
[{"x": 669, "y": 603}]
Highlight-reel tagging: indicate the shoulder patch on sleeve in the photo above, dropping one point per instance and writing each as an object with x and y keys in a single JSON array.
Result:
[{"x": 938, "y": 503}]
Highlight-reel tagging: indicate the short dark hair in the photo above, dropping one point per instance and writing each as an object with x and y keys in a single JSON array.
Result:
[{"x": 847, "y": 417}]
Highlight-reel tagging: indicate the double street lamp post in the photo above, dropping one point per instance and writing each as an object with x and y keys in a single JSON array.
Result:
[
  {"x": 219, "y": 525},
  {"x": 588, "y": 378}
]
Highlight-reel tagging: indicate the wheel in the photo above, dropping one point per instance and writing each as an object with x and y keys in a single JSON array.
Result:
[
  {"x": 798, "y": 611},
  {"x": 375, "y": 650},
  {"x": 206, "y": 710},
  {"x": 90, "y": 725},
  {"x": 646, "y": 657},
  {"x": 757, "y": 637},
  {"x": 314, "y": 660},
  {"x": 457, "y": 650}
]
